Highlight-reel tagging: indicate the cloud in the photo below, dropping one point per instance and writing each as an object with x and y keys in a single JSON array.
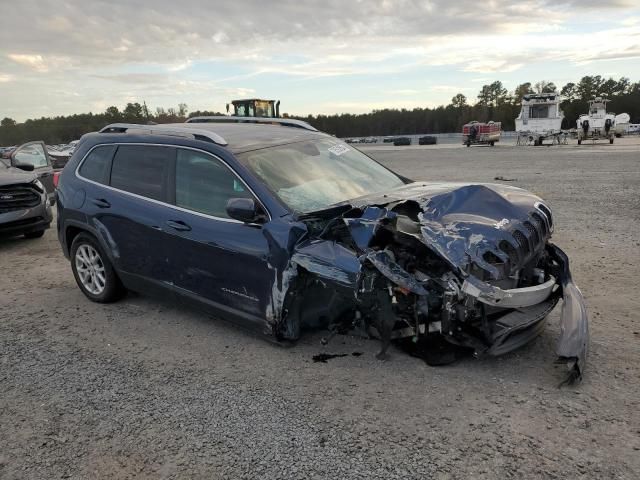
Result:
[
  {"x": 492, "y": 66},
  {"x": 35, "y": 62},
  {"x": 403, "y": 91},
  {"x": 172, "y": 31},
  {"x": 180, "y": 66},
  {"x": 449, "y": 88},
  {"x": 135, "y": 78},
  {"x": 112, "y": 50}
]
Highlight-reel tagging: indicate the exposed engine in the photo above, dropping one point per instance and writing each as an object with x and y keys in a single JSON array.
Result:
[{"x": 433, "y": 263}]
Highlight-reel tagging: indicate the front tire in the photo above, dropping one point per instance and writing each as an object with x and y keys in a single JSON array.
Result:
[
  {"x": 611, "y": 140},
  {"x": 93, "y": 271}
]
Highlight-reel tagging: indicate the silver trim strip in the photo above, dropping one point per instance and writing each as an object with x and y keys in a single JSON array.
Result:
[
  {"x": 175, "y": 130},
  {"x": 175, "y": 207},
  {"x": 286, "y": 122},
  {"x": 513, "y": 298},
  {"x": 550, "y": 225}
]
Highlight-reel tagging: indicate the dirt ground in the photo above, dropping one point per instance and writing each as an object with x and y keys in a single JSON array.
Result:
[{"x": 145, "y": 389}]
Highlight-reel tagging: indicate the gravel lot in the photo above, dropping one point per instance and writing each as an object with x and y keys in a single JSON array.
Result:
[{"x": 144, "y": 389}]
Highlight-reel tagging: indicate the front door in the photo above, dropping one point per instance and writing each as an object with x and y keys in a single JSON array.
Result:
[
  {"x": 219, "y": 260},
  {"x": 35, "y": 153}
]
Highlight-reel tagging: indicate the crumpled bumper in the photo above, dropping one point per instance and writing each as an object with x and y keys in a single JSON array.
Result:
[
  {"x": 531, "y": 306},
  {"x": 514, "y": 298},
  {"x": 573, "y": 343}
]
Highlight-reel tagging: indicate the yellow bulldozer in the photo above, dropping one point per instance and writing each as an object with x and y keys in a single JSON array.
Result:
[{"x": 255, "y": 107}]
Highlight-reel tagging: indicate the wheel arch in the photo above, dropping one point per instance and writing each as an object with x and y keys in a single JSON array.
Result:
[{"x": 72, "y": 229}]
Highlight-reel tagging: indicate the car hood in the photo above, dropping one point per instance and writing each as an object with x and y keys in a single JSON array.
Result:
[
  {"x": 488, "y": 200},
  {"x": 491, "y": 229},
  {"x": 10, "y": 176},
  {"x": 496, "y": 228}
]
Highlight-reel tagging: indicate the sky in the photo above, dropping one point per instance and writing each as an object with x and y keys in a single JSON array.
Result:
[{"x": 331, "y": 56}]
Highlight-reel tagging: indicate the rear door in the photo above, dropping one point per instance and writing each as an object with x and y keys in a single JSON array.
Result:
[
  {"x": 126, "y": 203},
  {"x": 35, "y": 153}
]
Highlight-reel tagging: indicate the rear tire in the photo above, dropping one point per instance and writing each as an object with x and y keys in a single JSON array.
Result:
[
  {"x": 579, "y": 142},
  {"x": 36, "y": 234},
  {"x": 611, "y": 140},
  {"x": 93, "y": 271}
]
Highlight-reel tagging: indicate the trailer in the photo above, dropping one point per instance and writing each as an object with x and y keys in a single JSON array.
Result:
[
  {"x": 477, "y": 133},
  {"x": 526, "y": 137}
]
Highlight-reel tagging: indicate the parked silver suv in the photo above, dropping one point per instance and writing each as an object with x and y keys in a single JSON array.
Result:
[{"x": 25, "y": 206}]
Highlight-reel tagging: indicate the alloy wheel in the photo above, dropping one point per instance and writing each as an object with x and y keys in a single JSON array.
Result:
[{"x": 90, "y": 269}]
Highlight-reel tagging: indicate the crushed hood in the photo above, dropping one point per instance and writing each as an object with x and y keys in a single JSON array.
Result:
[{"x": 496, "y": 228}]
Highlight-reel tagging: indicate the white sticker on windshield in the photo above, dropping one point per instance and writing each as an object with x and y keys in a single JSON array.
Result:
[{"x": 339, "y": 149}]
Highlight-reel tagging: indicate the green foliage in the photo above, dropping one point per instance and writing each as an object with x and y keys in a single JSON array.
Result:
[
  {"x": 493, "y": 95},
  {"x": 520, "y": 91},
  {"x": 494, "y": 103},
  {"x": 64, "y": 129},
  {"x": 544, "y": 86},
  {"x": 459, "y": 101}
]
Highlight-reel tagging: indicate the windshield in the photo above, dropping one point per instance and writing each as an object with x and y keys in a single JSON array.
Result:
[{"x": 315, "y": 174}]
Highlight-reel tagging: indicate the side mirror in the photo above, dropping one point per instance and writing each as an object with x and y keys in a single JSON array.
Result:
[
  {"x": 27, "y": 167},
  {"x": 243, "y": 209}
]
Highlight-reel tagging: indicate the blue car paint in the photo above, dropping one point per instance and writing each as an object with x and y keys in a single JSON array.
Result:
[{"x": 245, "y": 271}]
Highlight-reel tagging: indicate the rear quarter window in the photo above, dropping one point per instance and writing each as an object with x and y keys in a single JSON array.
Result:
[
  {"x": 97, "y": 164},
  {"x": 142, "y": 170}
]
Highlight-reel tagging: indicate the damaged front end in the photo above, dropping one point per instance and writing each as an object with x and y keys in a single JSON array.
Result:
[{"x": 470, "y": 264}]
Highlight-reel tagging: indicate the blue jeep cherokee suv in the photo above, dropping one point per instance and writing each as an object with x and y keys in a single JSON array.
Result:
[{"x": 285, "y": 228}]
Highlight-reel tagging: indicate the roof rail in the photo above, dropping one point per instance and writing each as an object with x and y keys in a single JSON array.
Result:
[
  {"x": 173, "y": 130},
  {"x": 285, "y": 122}
]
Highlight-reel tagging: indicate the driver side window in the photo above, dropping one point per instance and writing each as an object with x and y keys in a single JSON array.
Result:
[
  {"x": 32, "y": 155},
  {"x": 204, "y": 184}
]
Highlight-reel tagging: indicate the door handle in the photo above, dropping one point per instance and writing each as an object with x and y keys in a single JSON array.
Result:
[
  {"x": 101, "y": 203},
  {"x": 178, "y": 225}
]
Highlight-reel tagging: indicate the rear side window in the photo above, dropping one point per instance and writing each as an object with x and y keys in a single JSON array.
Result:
[
  {"x": 142, "y": 170},
  {"x": 96, "y": 166},
  {"x": 204, "y": 184}
]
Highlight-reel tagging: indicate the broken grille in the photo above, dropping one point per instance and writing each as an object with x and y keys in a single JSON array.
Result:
[
  {"x": 17, "y": 197},
  {"x": 533, "y": 234},
  {"x": 527, "y": 243},
  {"x": 507, "y": 248},
  {"x": 540, "y": 223},
  {"x": 523, "y": 243},
  {"x": 547, "y": 213}
]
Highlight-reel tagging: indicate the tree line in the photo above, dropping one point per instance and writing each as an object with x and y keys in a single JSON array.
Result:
[{"x": 493, "y": 102}]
